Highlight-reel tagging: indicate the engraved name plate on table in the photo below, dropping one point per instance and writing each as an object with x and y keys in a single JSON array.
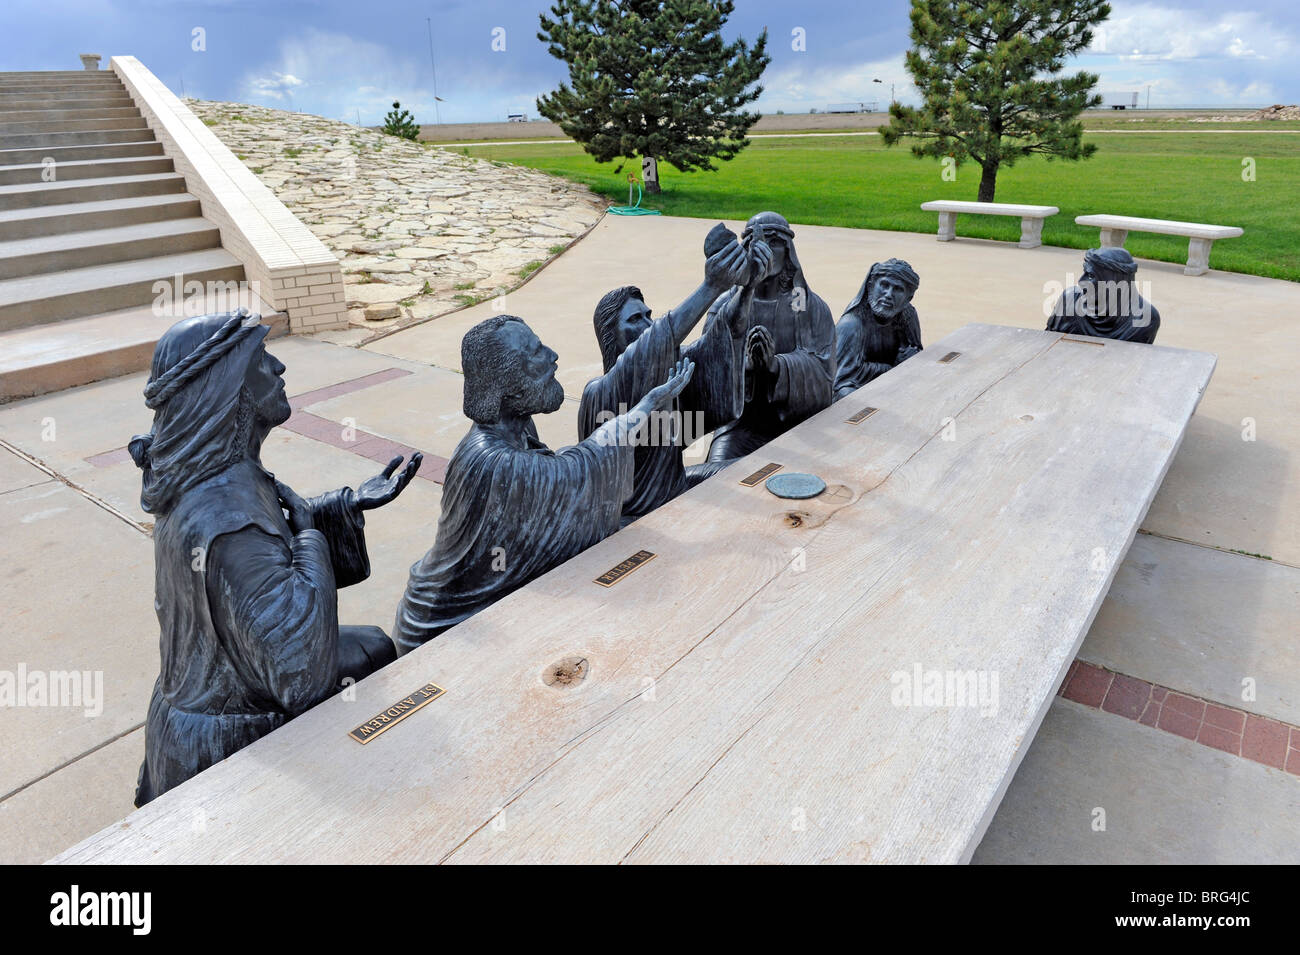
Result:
[
  {"x": 616, "y": 573},
  {"x": 766, "y": 471},
  {"x": 396, "y": 713}
]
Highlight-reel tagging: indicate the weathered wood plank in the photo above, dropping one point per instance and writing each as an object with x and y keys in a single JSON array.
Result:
[{"x": 727, "y": 689}]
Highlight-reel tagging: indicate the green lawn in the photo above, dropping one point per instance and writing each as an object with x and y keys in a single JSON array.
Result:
[{"x": 855, "y": 181}]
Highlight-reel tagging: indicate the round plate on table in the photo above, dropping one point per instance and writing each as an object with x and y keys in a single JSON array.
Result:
[{"x": 795, "y": 486}]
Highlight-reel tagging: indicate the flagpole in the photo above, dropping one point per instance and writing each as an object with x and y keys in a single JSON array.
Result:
[{"x": 437, "y": 119}]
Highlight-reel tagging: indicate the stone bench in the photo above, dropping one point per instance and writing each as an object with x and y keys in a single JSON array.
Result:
[
  {"x": 1031, "y": 217},
  {"x": 1115, "y": 229},
  {"x": 854, "y": 677}
]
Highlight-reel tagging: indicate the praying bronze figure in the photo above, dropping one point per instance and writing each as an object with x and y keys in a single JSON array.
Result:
[
  {"x": 789, "y": 344},
  {"x": 511, "y": 507},
  {"x": 879, "y": 329},
  {"x": 246, "y": 571},
  {"x": 1106, "y": 302}
]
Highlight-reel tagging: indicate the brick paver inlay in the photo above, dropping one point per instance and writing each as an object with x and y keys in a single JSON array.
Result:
[
  {"x": 333, "y": 433},
  {"x": 1232, "y": 730}
]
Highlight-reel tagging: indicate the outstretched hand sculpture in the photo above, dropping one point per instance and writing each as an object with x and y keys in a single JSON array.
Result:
[
  {"x": 511, "y": 507},
  {"x": 246, "y": 570}
]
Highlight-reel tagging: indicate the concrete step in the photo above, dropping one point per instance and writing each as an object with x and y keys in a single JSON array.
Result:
[
  {"x": 12, "y": 75},
  {"x": 30, "y": 195},
  {"x": 45, "y": 358},
  {"x": 62, "y": 154},
  {"x": 39, "y": 74},
  {"x": 76, "y": 293},
  {"x": 102, "y": 81},
  {"x": 102, "y": 214},
  {"x": 65, "y": 100},
  {"x": 88, "y": 138},
  {"x": 56, "y": 114},
  {"x": 132, "y": 120},
  {"x": 84, "y": 169},
  {"x": 75, "y": 250},
  {"x": 27, "y": 87}
]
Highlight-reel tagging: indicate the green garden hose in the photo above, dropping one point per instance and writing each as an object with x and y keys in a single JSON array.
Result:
[{"x": 633, "y": 209}]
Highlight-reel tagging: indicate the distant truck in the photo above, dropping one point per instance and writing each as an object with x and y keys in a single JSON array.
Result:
[
  {"x": 523, "y": 117},
  {"x": 1120, "y": 100}
]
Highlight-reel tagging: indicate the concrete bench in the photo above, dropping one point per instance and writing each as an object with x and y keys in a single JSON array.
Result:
[
  {"x": 851, "y": 678},
  {"x": 1031, "y": 217},
  {"x": 1115, "y": 229}
]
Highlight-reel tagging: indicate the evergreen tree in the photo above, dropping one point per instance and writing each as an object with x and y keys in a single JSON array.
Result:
[
  {"x": 401, "y": 123},
  {"x": 986, "y": 71},
  {"x": 652, "y": 78}
]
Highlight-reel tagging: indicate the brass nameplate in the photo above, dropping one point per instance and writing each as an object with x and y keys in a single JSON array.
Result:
[
  {"x": 948, "y": 357},
  {"x": 1084, "y": 341},
  {"x": 397, "y": 712},
  {"x": 861, "y": 416},
  {"x": 766, "y": 471},
  {"x": 612, "y": 576}
]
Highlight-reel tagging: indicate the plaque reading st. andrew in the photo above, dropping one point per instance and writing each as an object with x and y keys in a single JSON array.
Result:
[{"x": 396, "y": 713}]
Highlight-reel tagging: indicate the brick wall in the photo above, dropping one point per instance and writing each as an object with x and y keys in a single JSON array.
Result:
[{"x": 293, "y": 270}]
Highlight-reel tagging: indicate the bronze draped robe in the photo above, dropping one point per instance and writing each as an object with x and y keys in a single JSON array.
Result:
[
  {"x": 508, "y": 516},
  {"x": 1074, "y": 314},
  {"x": 248, "y": 619},
  {"x": 714, "y": 396},
  {"x": 866, "y": 348},
  {"x": 802, "y": 386}
]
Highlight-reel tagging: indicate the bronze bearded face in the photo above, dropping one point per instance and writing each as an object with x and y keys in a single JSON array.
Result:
[
  {"x": 263, "y": 380},
  {"x": 533, "y": 388}
]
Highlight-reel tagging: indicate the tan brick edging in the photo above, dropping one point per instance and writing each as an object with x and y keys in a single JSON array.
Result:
[{"x": 294, "y": 270}]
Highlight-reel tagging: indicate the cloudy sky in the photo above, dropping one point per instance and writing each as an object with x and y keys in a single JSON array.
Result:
[{"x": 350, "y": 60}]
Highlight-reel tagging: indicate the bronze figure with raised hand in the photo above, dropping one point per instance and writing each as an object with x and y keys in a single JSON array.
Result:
[
  {"x": 511, "y": 507},
  {"x": 638, "y": 352},
  {"x": 789, "y": 342},
  {"x": 246, "y": 571}
]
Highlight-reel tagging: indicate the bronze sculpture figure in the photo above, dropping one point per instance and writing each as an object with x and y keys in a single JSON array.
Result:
[
  {"x": 789, "y": 344},
  {"x": 1106, "y": 302},
  {"x": 638, "y": 353},
  {"x": 879, "y": 329},
  {"x": 511, "y": 507},
  {"x": 246, "y": 570}
]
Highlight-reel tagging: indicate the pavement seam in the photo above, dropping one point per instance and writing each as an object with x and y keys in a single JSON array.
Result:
[
  {"x": 65, "y": 764},
  {"x": 24, "y": 487},
  {"x": 93, "y": 499},
  {"x": 1221, "y": 550}
]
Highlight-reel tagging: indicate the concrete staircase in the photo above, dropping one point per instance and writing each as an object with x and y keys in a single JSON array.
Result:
[{"x": 92, "y": 215}]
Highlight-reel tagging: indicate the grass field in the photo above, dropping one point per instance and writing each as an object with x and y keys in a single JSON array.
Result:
[{"x": 855, "y": 181}]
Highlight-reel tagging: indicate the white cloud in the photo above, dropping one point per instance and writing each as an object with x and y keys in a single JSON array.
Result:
[
  {"x": 341, "y": 77},
  {"x": 1237, "y": 48},
  {"x": 1151, "y": 32},
  {"x": 272, "y": 86},
  {"x": 334, "y": 75},
  {"x": 801, "y": 87}
]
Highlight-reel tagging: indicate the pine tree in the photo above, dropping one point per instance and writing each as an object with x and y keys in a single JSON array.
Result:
[
  {"x": 652, "y": 78},
  {"x": 986, "y": 72},
  {"x": 401, "y": 123}
]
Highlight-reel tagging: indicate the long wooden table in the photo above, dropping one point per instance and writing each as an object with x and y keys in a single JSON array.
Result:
[{"x": 744, "y": 696}]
